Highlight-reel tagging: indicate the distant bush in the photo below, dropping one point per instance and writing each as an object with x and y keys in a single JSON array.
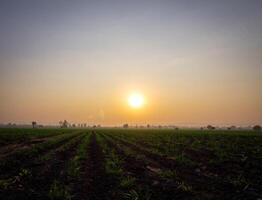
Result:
[
  {"x": 232, "y": 128},
  {"x": 257, "y": 128},
  {"x": 209, "y": 127}
]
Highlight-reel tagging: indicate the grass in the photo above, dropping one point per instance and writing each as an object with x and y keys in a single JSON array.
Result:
[
  {"x": 59, "y": 192},
  {"x": 74, "y": 165}
]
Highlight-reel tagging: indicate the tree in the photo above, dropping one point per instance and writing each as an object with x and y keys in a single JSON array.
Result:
[
  {"x": 64, "y": 124},
  {"x": 232, "y": 128},
  {"x": 257, "y": 128},
  {"x": 209, "y": 127},
  {"x": 34, "y": 124},
  {"x": 125, "y": 126}
]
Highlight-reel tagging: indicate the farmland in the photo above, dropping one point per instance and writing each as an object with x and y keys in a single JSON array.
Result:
[{"x": 129, "y": 164}]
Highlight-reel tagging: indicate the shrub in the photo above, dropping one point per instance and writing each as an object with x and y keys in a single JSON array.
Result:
[{"x": 257, "y": 128}]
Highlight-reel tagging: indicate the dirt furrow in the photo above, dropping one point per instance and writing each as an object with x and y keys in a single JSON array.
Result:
[
  {"x": 23, "y": 158},
  {"x": 93, "y": 184},
  {"x": 216, "y": 187},
  {"x": 164, "y": 161},
  {"x": 159, "y": 188},
  {"x": 12, "y": 148},
  {"x": 35, "y": 181},
  {"x": 27, "y": 142}
]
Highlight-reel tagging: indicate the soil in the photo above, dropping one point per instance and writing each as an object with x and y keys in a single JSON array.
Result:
[
  {"x": 196, "y": 179},
  {"x": 147, "y": 176},
  {"x": 14, "y": 161},
  {"x": 11, "y": 148},
  {"x": 30, "y": 177},
  {"x": 94, "y": 184},
  {"x": 41, "y": 174}
]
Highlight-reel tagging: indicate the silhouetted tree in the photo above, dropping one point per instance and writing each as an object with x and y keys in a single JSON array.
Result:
[
  {"x": 64, "y": 124},
  {"x": 257, "y": 128},
  {"x": 209, "y": 127},
  {"x": 34, "y": 124},
  {"x": 232, "y": 128}
]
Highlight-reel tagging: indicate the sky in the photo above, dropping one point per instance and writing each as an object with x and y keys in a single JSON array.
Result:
[{"x": 195, "y": 62}]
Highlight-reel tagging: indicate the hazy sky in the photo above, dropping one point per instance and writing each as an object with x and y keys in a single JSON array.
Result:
[{"x": 195, "y": 61}]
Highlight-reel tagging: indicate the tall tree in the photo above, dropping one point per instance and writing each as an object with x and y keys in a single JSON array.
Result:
[{"x": 34, "y": 124}]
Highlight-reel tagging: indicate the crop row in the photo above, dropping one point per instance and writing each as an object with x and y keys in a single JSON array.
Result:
[
  {"x": 196, "y": 166},
  {"x": 41, "y": 175},
  {"x": 15, "y": 135},
  {"x": 127, "y": 164}
]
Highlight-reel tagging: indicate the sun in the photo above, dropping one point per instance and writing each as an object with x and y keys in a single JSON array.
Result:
[{"x": 136, "y": 100}]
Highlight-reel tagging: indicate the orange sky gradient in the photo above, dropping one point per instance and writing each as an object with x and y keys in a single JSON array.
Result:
[{"x": 195, "y": 63}]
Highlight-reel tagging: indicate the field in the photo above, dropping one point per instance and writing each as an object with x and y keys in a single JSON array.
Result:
[{"x": 135, "y": 164}]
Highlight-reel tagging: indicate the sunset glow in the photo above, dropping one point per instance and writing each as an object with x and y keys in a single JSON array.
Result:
[
  {"x": 191, "y": 63},
  {"x": 136, "y": 100}
]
